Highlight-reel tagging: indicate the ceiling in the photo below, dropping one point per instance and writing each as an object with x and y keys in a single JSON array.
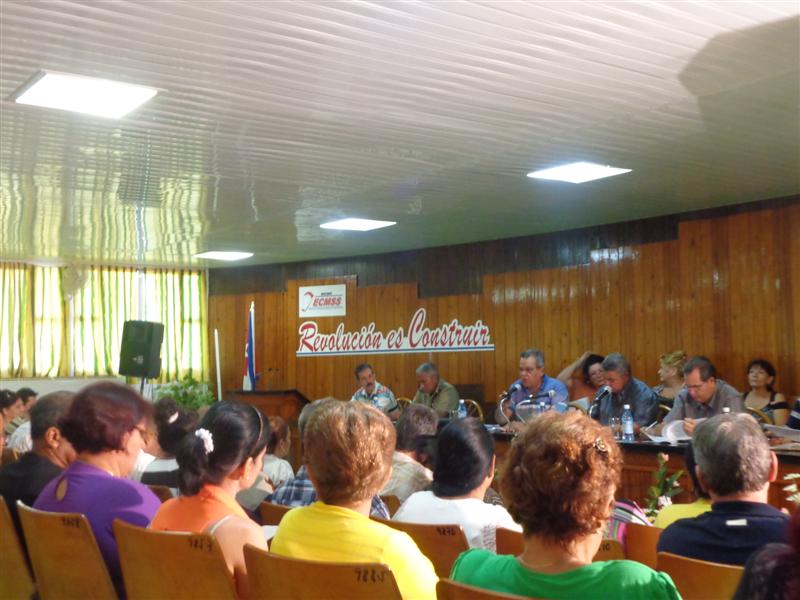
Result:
[{"x": 275, "y": 117}]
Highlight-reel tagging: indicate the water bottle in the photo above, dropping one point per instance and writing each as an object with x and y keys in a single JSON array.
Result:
[
  {"x": 541, "y": 408},
  {"x": 627, "y": 424},
  {"x": 462, "y": 410}
]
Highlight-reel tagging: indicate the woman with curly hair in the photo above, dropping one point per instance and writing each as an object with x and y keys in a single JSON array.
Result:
[{"x": 558, "y": 483}]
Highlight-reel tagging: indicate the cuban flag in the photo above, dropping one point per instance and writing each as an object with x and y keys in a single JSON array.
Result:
[{"x": 249, "y": 377}]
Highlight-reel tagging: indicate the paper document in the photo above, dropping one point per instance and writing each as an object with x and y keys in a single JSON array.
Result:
[
  {"x": 784, "y": 432},
  {"x": 674, "y": 432}
]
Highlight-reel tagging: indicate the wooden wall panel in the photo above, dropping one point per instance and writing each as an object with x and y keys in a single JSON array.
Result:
[{"x": 727, "y": 287}]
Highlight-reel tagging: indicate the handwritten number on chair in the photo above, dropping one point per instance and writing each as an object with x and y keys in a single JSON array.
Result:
[
  {"x": 369, "y": 575},
  {"x": 450, "y": 531},
  {"x": 71, "y": 522},
  {"x": 202, "y": 544}
]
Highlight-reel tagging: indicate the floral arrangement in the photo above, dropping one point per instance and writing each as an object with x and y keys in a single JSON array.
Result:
[
  {"x": 664, "y": 488},
  {"x": 187, "y": 392}
]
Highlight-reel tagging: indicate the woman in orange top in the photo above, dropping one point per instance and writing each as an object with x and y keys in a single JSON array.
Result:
[{"x": 220, "y": 459}]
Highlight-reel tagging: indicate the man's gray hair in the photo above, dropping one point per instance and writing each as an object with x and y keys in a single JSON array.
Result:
[
  {"x": 617, "y": 363},
  {"x": 535, "y": 353},
  {"x": 427, "y": 368},
  {"x": 733, "y": 454}
]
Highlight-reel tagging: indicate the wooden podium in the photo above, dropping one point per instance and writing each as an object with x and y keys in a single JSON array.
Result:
[{"x": 277, "y": 403}]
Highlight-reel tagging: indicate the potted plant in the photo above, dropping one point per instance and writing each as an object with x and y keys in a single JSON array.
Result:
[{"x": 188, "y": 392}]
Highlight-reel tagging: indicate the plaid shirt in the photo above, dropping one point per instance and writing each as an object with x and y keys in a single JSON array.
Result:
[{"x": 298, "y": 491}]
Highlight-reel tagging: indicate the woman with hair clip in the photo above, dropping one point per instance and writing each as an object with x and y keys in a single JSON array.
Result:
[
  {"x": 220, "y": 459},
  {"x": 173, "y": 423}
]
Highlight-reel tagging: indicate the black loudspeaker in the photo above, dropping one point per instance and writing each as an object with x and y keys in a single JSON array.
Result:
[{"x": 140, "y": 354}]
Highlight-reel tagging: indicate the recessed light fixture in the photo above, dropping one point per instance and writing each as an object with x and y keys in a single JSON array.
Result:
[
  {"x": 578, "y": 172},
  {"x": 223, "y": 255},
  {"x": 88, "y": 95},
  {"x": 357, "y": 224}
]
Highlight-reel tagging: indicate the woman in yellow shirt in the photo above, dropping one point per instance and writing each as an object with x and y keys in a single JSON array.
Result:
[{"x": 348, "y": 453}]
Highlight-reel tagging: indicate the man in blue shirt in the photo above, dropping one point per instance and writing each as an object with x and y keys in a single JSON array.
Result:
[
  {"x": 735, "y": 466},
  {"x": 626, "y": 389},
  {"x": 532, "y": 384}
]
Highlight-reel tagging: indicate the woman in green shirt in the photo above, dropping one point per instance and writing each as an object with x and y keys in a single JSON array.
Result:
[{"x": 558, "y": 483}]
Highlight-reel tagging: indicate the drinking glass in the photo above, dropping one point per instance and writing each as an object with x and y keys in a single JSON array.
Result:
[{"x": 616, "y": 427}]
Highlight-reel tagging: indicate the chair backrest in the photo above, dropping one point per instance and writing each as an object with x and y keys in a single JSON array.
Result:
[
  {"x": 663, "y": 411},
  {"x": 271, "y": 514},
  {"x": 509, "y": 541},
  {"x": 578, "y": 406},
  {"x": 760, "y": 416},
  {"x": 699, "y": 579},
  {"x": 273, "y": 576},
  {"x": 403, "y": 402},
  {"x": 16, "y": 580},
  {"x": 641, "y": 542},
  {"x": 473, "y": 409},
  {"x": 440, "y": 543},
  {"x": 162, "y": 491},
  {"x": 447, "y": 589},
  {"x": 392, "y": 503},
  {"x": 66, "y": 560},
  {"x": 609, "y": 550},
  {"x": 165, "y": 564}
]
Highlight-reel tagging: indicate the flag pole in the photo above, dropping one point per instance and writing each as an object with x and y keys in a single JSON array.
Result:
[{"x": 216, "y": 357}]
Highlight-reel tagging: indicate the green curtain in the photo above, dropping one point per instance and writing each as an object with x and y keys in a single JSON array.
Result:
[{"x": 67, "y": 321}]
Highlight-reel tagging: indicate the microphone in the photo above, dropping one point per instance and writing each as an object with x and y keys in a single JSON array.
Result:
[{"x": 594, "y": 409}]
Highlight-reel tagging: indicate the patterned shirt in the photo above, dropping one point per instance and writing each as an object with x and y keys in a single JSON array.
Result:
[
  {"x": 381, "y": 397},
  {"x": 299, "y": 491}
]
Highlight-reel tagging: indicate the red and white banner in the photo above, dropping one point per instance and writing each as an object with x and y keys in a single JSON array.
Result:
[{"x": 450, "y": 337}]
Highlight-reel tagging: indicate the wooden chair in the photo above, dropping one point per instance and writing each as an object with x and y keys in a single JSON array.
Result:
[
  {"x": 641, "y": 542},
  {"x": 274, "y": 576},
  {"x": 440, "y": 543},
  {"x": 392, "y": 503},
  {"x": 760, "y": 416},
  {"x": 509, "y": 541},
  {"x": 663, "y": 411},
  {"x": 474, "y": 409},
  {"x": 447, "y": 589},
  {"x": 403, "y": 402},
  {"x": 609, "y": 550},
  {"x": 271, "y": 514},
  {"x": 578, "y": 406},
  {"x": 66, "y": 560},
  {"x": 699, "y": 579},
  {"x": 16, "y": 580},
  {"x": 165, "y": 564},
  {"x": 162, "y": 491}
]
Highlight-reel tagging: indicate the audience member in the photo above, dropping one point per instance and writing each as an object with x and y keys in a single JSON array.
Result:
[
  {"x": 299, "y": 491},
  {"x": 670, "y": 376},
  {"x": 794, "y": 416},
  {"x": 735, "y": 466},
  {"x": 105, "y": 425},
  {"x": 20, "y": 441},
  {"x": 276, "y": 468},
  {"x": 374, "y": 393},
  {"x": 434, "y": 392},
  {"x": 463, "y": 471},
  {"x": 704, "y": 395},
  {"x": 348, "y": 451},
  {"x": 702, "y": 503},
  {"x": 773, "y": 573},
  {"x": 28, "y": 397},
  {"x": 221, "y": 458},
  {"x": 762, "y": 395},
  {"x": 592, "y": 376},
  {"x": 173, "y": 423},
  {"x": 26, "y": 478},
  {"x": 559, "y": 481},
  {"x": 626, "y": 389},
  {"x": 10, "y": 407},
  {"x": 415, "y": 430},
  {"x": 532, "y": 384}
]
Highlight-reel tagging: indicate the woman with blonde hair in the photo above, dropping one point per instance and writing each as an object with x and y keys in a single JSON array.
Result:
[
  {"x": 558, "y": 483},
  {"x": 670, "y": 375},
  {"x": 348, "y": 450}
]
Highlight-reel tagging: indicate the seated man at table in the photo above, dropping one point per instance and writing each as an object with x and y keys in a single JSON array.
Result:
[
  {"x": 626, "y": 389},
  {"x": 374, "y": 393},
  {"x": 532, "y": 384},
  {"x": 435, "y": 392},
  {"x": 703, "y": 396},
  {"x": 735, "y": 466}
]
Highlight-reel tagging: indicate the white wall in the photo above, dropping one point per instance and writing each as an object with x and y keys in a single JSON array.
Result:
[{"x": 70, "y": 384}]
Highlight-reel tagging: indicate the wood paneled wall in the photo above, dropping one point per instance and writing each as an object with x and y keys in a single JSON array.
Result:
[{"x": 725, "y": 286}]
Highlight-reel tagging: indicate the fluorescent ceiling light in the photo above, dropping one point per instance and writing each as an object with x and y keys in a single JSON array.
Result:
[
  {"x": 88, "y": 95},
  {"x": 220, "y": 255},
  {"x": 357, "y": 224},
  {"x": 578, "y": 172}
]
